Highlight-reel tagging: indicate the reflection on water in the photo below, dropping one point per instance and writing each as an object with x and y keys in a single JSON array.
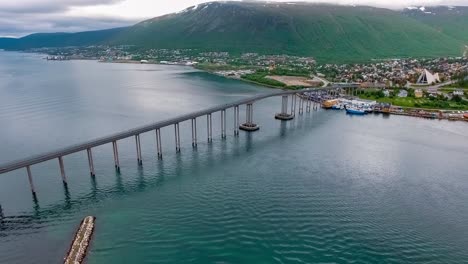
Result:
[{"x": 323, "y": 187}]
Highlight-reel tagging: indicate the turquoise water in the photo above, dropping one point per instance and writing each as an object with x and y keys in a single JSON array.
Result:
[{"x": 325, "y": 187}]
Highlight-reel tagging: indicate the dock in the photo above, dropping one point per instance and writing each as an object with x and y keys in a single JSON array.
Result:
[{"x": 79, "y": 246}]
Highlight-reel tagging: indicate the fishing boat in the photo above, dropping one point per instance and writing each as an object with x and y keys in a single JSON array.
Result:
[{"x": 353, "y": 110}]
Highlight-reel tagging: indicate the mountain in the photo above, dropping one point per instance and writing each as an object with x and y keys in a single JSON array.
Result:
[
  {"x": 41, "y": 40},
  {"x": 450, "y": 20},
  {"x": 327, "y": 32}
]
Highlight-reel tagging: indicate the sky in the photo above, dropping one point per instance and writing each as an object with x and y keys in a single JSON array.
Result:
[{"x": 21, "y": 17}]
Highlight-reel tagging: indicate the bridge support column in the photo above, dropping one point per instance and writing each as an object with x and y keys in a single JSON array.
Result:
[
  {"x": 194, "y": 132},
  {"x": 301, "y": 105},
  {"x": 177, "y": 137},
  {"x": 293, "y": 104},
  {"x": 223, "y": 123},
  {"x": 62, "y": 170},
  {"x": 209, "y": 127},
  {"x": 90, "y": 162},
  {"x": 236, "y": 120},
  {"x": 116, "y": 155},
  {"x": 308, "y": 106},
  {"x": 138, "y": 149},
  {"x": 249, "y": 125},
  {"x": 31, "y": 183},
  {"x": 284, "y": 115},
  {"x": 158, "y": 143}
]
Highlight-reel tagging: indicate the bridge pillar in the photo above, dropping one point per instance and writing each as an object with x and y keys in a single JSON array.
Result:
[
  {"x": 177, "y": 137},
  {"x": 209, "y": 127},
  {"x": 116, "y": 156},
  {"x": 236, "y": 120},
  {"x": 138, "y": 149},
  {"x": 301, "y": 105},
  {"x": 249, "y": 125},
  {"x": 284, "y": 115},
  {"x": 90, "y": 162},
  {"x": 1, "y": 214},
  {"x": 308, "y": 106},
  {"x": 223, "y": 123},
  {"x": 158, "y": 143},
  {"x": 31, "y": 183},
  {"x": 62, "y": 170},
  {"x": 194, "y": 132}
]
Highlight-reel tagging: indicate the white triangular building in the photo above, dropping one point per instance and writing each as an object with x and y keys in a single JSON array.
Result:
[{"x": 427, "y": 77}]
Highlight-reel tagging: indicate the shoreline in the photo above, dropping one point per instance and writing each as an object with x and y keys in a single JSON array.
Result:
[{"x": 245, "y": 80}]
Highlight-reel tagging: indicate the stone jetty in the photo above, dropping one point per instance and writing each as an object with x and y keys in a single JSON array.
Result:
[{"x": 78, "y": 248}]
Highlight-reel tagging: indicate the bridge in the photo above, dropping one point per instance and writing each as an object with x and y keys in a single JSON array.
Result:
[{"x": 305, "y": 96}]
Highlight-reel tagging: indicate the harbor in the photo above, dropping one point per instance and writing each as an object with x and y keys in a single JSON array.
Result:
[{"x": 355, "y": 106}]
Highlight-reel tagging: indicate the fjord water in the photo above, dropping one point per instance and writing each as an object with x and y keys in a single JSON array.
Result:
[{"x": 325, "y": 187}]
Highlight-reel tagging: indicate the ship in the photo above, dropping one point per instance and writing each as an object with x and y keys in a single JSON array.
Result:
[{"x": 329, "y": 104}]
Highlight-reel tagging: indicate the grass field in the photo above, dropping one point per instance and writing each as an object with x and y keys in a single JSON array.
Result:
[{"x": 419, "y": 103}]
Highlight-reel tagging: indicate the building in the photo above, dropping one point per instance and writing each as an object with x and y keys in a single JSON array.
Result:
[
  {"x": 418, "y": 93},
  {"x": 458, "y": 92},
  {"x": 403, "y": 93},
  {"x": 428, "y": 78}
]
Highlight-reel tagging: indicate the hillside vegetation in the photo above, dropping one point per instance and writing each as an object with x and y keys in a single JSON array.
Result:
[{"x": 330, "y": 33}]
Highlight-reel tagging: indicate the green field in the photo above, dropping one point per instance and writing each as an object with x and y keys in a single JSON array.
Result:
[{"x": 426, "y": 103}]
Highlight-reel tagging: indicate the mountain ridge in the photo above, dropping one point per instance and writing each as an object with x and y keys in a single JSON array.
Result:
[{"x": 325, "y": 31}]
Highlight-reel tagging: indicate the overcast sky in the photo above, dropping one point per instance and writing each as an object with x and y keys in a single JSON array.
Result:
[{"x": 22, "y": 17}]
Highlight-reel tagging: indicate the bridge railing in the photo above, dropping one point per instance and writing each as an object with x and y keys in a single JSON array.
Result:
[{"x": 114, "y": 138}]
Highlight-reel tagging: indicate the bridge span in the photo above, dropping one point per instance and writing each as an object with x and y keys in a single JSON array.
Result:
[{"x": 248, "y": 126}]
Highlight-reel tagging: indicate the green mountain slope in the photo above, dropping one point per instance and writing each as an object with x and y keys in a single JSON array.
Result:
[
  {"x": 452, "y": 21},
  {"x": 327, "y": 32},
  {"x": 330, "y": 33}
]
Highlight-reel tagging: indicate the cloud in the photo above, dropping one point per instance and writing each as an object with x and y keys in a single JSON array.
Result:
[
  {"x": 23, "y": 17},
  {"x": 48, "y": 6}
]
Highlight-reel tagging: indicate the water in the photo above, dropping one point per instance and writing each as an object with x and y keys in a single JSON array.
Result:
[{"x": 325, "y": 187}]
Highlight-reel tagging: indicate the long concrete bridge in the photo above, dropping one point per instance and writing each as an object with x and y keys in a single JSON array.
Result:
[{"x": 287, "y": 113}]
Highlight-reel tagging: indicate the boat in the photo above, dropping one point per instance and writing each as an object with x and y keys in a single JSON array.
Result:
[
  {"x": 353, "y": 110},
  {"x": 337, "y": 107},
  {"x": 328, "y": 104}
]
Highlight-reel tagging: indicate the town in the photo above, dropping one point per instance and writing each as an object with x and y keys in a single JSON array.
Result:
[{"x": 429, "y": 83}]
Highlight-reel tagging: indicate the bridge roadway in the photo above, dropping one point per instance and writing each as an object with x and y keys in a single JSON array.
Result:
[{"x": 25, "y": 163}]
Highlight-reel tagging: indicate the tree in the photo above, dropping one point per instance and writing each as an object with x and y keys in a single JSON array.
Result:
[{"x": 457, "y": 98}]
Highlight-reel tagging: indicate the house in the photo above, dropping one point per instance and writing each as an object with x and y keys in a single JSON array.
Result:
[
  {"x": 458, "y": 92},
  {"x": 418, "y": 93},
  {"x": 403, "y": 93},
  {"x": 386, "y": 93}
]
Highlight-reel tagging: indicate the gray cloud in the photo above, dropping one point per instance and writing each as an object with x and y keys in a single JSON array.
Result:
[
  {"x": 46, "y": 23},
  {"x": 48, "y": 6},
  {"x": 20, "y": 18}
]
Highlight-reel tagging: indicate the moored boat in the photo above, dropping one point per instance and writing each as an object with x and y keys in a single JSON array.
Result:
[
  {"x": 355, "y": 110},
  {"x": 338, "y": 106}
]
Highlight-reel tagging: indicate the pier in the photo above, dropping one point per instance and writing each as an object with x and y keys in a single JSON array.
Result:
[
  {"x": 79, "y": 246},
  {"x": 287, "y": 113}
]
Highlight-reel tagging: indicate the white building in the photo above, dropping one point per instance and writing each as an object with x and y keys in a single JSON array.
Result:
[{"x": 428, "y": 78}]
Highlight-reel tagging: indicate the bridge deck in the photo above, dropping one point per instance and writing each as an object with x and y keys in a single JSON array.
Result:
[{"x": 11, "y": 166}]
